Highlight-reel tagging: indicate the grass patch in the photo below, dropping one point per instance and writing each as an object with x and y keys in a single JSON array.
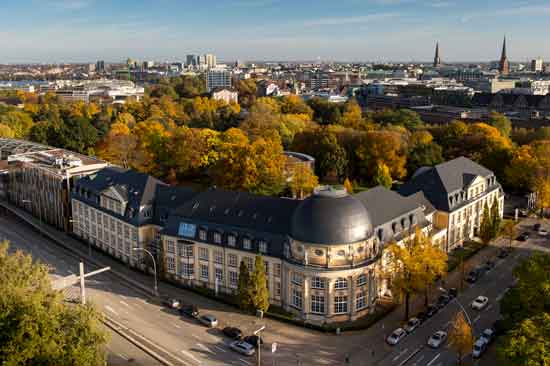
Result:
[{"x": 468, "y": 250}]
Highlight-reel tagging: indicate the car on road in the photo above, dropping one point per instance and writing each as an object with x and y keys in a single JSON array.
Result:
[
  {"x": 489, "y": 265},
  {"x": 543, "y": 232},
  {"x": 452, "y": 292},
  {"x": 472, "y": 276},
  {"x": 170, "y": 303},
  {"x": 431, "y": 310},
  {"x": 421, "y": 316},
  {"x": 503, "y": 253},
  {"x": 242, "y": 347},
  {"x": 437, "y": 339},
  {"x": 411, "y": 325},
  {"x": 191, "y": 311},
  {"x": 232, "y": 332},
  {"x": 443, "y": 300},
  {"x": 488, "y": 334},
  {"x": 396, "y": 336},
  {"x": 209, "y": 320},
  {"x": 480, "y": 302},
  {"x": 253, "y": 340},
  {"x": 536, "y": 227},
  {"x": 479, "y": 347},
  {"x": 523, "y": 237}
]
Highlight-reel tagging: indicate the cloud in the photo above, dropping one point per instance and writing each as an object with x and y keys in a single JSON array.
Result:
[{"x": 350, "y": 20}]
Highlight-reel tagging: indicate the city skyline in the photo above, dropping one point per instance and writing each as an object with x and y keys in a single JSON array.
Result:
[{"x": 375, "y": 30}]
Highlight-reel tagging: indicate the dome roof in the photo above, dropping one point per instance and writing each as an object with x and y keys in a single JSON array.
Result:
[{"x": 331, "y": 217}]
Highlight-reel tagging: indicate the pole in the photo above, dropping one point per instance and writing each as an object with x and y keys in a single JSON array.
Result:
[
  {"x": 464, "y": 311},
  {"x": 156, "y": 292},
  {"x": 82, "y": 288},
  {"x": 259, "y": 347}
]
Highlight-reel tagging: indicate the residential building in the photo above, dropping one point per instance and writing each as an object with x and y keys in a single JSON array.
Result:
[
  {"x": 227, "y": 95},
  {"x": 537, "y": 65},
  {"x": 218, "y": 78}
]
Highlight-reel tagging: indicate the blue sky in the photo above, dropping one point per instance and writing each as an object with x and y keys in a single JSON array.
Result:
[{"x": 346, "y": 30}]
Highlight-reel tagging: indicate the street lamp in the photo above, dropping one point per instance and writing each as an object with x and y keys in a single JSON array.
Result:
[
  {"x": 258, "y": 333},
  {"x": 461, "y": 307},
  {"x": 89, "y": 242},
  {"x": 156, "y": 292}
]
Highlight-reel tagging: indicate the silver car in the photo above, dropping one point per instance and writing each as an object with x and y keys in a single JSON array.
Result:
[
  {"x": 479, "y": 347},
  {"x": 209, "y": 320},
  {"x": 396, "y": 336},
  {"x": 242, "y": 347},
  {"x": 411, "y": 325},
  {"x": 437, "y": 339}
]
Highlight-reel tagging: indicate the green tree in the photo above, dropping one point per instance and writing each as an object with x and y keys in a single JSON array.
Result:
[
  {"x": 19, "y": 122},
  {"x": 495, "y": 218},
  {"x": 461, "y": 339},
  {"x": 382, "y": 176},
  {"x": 501, "y": 123},
  {"x": 244, "y": 294},
  {"x": 36, "y": 326},
  {"x": 258, "y": 286},
  {"x": 486, "y": 230}
]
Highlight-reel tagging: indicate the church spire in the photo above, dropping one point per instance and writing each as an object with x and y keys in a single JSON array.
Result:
[
  {"x": 504, "y": 66},
  {"x": 437, "y": 58}
]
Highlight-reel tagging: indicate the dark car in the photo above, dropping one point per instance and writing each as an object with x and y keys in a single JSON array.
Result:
[
  {"x": 536, "y": 227},
  {"x": 192, "y": 311},
  {"x": 472, "y": 276},
  {"x": 253, "y": 340},
  {"x": 421, "y": 316},
  {"x": 489, "y": 265},
  {"x": 431, "y": 310},
  {"x": 443, "y": 300},
  {"x": 171, "y": 303},
  {"x": 452, "y": 292},
  {"x": 232, "y": 332},
  {"x": 503, "y": 253},
  {"x": 523, "y": 237}
]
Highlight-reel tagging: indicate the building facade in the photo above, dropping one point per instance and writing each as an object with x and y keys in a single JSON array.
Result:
[{"x": 218, "y": 78}]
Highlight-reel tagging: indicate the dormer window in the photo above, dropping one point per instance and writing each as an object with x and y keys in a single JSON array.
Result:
[
  {"x": 412, "y": 220},
  {"x": 262, "y": 246},
  {"x": 202, "y": 235},
  {"x": 231, "y": 240},
  {"x": 217, "y": 238},
  {"x": 247, "y": 243},
  {"x": 403, "y": 223}
]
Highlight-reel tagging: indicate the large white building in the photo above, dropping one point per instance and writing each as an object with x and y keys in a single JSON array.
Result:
[{"x": 218, "y": 78}]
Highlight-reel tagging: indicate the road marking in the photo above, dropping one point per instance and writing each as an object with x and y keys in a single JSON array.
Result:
[
  {"x": 111, "y": 309},
  {"x": 419, "y": 360},
  {"x": 123, "y": 356},
  {"x": 415, "y": 352},
  {"x": 400, "y": 354},
  {"x": 244, "y": 361},
  {"x": 221, "y": 349},
  {"x": 476, "y": 319},
  {"x": 204, "y": 348},
  {"x": 433, "y": 360},
  {"x": 123, "y": 303},
  {"x": 189, "y": 355}
]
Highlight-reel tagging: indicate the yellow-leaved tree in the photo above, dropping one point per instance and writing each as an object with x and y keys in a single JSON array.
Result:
[
  {"x": 461, "y": 338},
  {"x": 302, "y": 181}
]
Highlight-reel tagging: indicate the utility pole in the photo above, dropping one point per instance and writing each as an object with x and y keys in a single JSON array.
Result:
[{"x": 70, "y": 280}]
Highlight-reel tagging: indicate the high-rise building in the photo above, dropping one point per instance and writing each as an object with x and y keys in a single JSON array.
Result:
[
  {"x": 537, "y": 65},
  {"x": 218, "y": 78},
  {"x": 504, "y": 65},
  {"x": 191, "y": 60},
  {"x": 100, "y": 66},
  {"x": 437, "y": 58},
  {"x": 210, "y": 60}
]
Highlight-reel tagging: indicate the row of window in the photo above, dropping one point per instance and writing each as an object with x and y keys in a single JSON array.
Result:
[
  {"x": 232, "y": 240},
  {"x": 83, "y": 213},
  {"x": 320, "y": 283},
  {"x": 340, "y": 302}
]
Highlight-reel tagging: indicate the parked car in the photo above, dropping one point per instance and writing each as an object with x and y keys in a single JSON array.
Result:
[
  {"x": 437, "y": 339},
  {"x": 472, "y": 276},
  {"x": 170, "y": 303},
  {"x": 488, "y": 334},
  {"x": 443, "y": 300},
  {"x": 242, "y": 347},
  {"x": 503, "y": 253},
  {"x": 421, "y": 316},
  {"x": 232, "y": 332},
  {"x": 536, "y": 227},
  {"x": 396, "y": 336},
  {"x": 489, "y": 265},
  {"x": 479, "y": 302},
  {"x": 523, "y": 237},
  {"x": 452, "y": 292},
  {"x": 253, "y": 340},
  {"x": 192, "y": 311},
  {"x": 431, "y": 310},
  {"x": 209, "y": 320},
  {"x": 479, "y": 347},
  {"x": 543, "y": 232},
  {"x": 411, "y": 325}
]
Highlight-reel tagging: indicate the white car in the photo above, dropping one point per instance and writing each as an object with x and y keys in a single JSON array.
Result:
[
  {"x": 437, "y": 339},
  {"x": 479, "y": 347},
  {"x": 209, "y": 320},
  {"x": 488, "y": 335},
  {"x": 242, "y": 347},
  {"x": 480, "y": 302},
  {"x": 411, "y": 325},
  {"x": 543, "y": 232},
  {"x": 396, "y": 336}
]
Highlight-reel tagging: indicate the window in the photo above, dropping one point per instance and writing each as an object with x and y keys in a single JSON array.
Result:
[
  {"x": 232, "y": 259},
  {"x": 341, "y": 284},
  {"x": 297, "y": 278},
  {"x": 203, "y": 254},
  {"x": 362, "y": 280},
  {"x": 112, "y": 224},
  {"x": 249, "y": 262},
  {"x": 171, "y": 264},
  {"x": 318, "y": 282},
  {"x": 202, "y": 235},
  {"x": 231, "y": 240},
  {"x": 318, "y": 304},
  {"x": 170, "y": 247},
  {"x": 277, "y": 288},
  {"x": 217, "y": 238},
  {"x": 277, "y": 270},
  {"x": 218, "y": 272},
  {"x": 204, "y": 271},
  {"x": 266, "y": 267},
  {"x": 297, "y": 298},
  {"x": 233, "y": 278},
  {"x": 188, "y": 251},
  {"x": 262, "y": 246},
  {"x": 134, "y": 234},
  {"x": 360, "y": 300},
  {"x": 247, "y": 243},
  {"x": 186, "y": 269},
  {"x": 340, "y": 304},
  {"x": 126, "y": 232},
  {"x": 218, "y": 257}
]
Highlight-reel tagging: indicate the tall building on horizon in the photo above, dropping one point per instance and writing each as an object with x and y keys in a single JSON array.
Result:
[
  {"x": 437, "y": 58},
  {"x": 537, "y": 65},
  {"x": 504, "y": 66}
]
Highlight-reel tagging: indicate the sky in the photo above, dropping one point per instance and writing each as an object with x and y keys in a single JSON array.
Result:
[{"x": 254, "y": 30}]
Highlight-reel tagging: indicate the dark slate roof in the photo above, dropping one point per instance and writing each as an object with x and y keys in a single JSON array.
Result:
[
  {"x": 168, "y": 199},
  {"x": 385, "y": 205},
  {"x": 137, "y": 189},
  {"x": 444, "y": 179},
  {"x": 331, "y": 217},
  {"x": 421, "y": 199}
]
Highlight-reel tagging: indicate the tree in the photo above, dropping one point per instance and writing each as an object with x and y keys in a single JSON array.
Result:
[
  {"x": 501, "y": 123},
  {"x": 302, "y": 181},
  {"x": 486, "y": 227},
  {"x": 36, "y": 326},
  {"x": 258, "y": 284},
  {"x": 119, "y": 146},
  {"x": 423, "y": 151},
  {"x": 495, "y": 219},
  {"x": 6, "y": 131},
  {"x": 294, "y": 104},
  {"x": 348, "y": 186},
  {"x": 541, "y": 186},
  {"x": 19, "y": 122},
  {"x": 461, "y": 339},
  {"x": 382, "y": 176},
  {"x": 352, "y": 116},
  {"x": 244, "y": 295},
  {"x": 382, "y": 146},
  {"x": 510, "y": 231},
  {"x": 520, "y": 172},
  {"x": 399, "y": 117}
]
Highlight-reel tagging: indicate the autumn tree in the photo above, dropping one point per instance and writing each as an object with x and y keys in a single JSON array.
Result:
[
  {"x": 36, "y": 326},
  {"x": 247, "y": 90},
  {"x": 397, "y": 117},
  {"x": 294, "y": 104},
  {"x": 423, "y": 151},
  {"x": 529, "y": 343},
  {"x": 244, "y": 294},
  {"x": 382, "y": 176},
  {"x": 302, "y": 181},
  {"x": 461, "y": 339},
  {"x": 352, "y": 116},
  {"x": 519, "y": 174},
  {"x": 495, "y": 218},
  {"x": 501, "y": 123},
  {"x": 258, "y": 286},
  {"x": 6, "y": 131},
  {"x": 118, "y": 146},
  {"x": 385, "y": 147},
  {"x": 509, "y": 229},
  {"x": 19, "y": 122},
  {"x": 348, "y": 186}
]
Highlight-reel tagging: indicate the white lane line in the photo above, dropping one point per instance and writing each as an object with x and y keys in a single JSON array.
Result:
[
  {"x": 123, "y": 356},
  {"x": 400, "y": 354},
  {"x": 476, "y": 319},
  {"x": 244, "y": 361},
  {"x": 189, "y": 355},
  {"x": 125, "y": 304},
  {"x": 419, "y": 360},
  {"x": 433, "y": 360},
  {"x": 219, "y": 348},
  {"x": 204, "y": 348},
  {"x": 177, "y": 326},
  {"x": 111, "y": 309}
]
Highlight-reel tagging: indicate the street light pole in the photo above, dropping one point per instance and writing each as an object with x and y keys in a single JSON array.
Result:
[
  {"x": 156, "y": 292},
  {"x": 461, "y": 307},
  {"x": 258, "y": 333}
]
